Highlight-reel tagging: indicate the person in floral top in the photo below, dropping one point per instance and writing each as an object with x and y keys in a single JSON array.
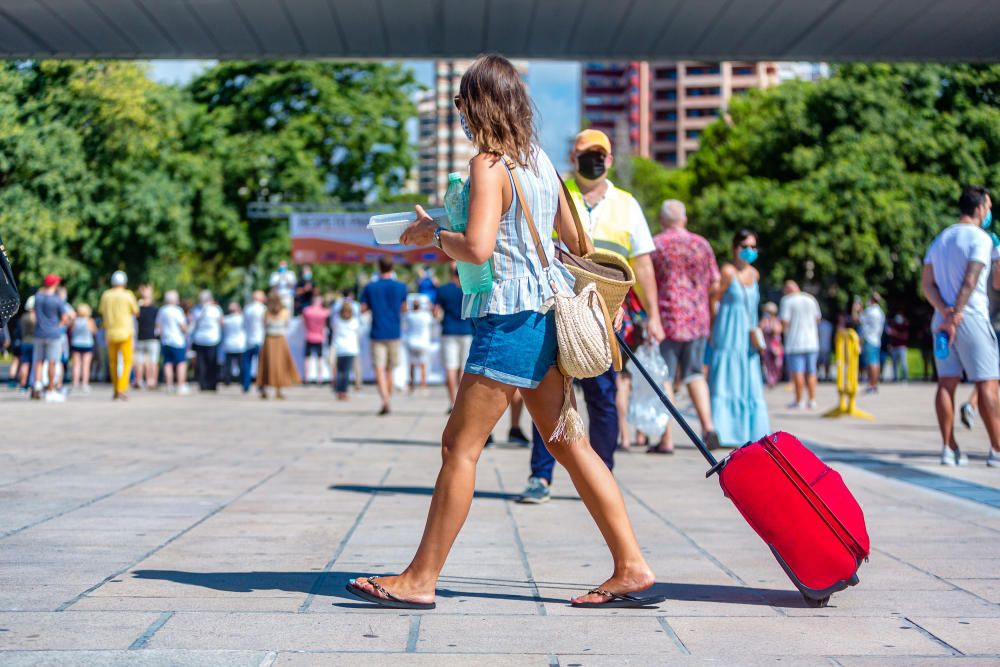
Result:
[{"x": 686, "y": 273}]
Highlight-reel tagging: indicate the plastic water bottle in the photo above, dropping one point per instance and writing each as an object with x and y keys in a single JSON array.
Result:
[
  {"x": 475, "y": 278},
  {"x": 941, "y": 344}
]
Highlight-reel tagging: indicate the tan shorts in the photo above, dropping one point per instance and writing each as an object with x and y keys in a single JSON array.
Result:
[
  {"x": 455, "y": 350},
  {"x": 385, "y": 353}
]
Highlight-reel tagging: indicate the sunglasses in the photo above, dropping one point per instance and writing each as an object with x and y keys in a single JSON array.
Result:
[{"x": 458, "y": 101}]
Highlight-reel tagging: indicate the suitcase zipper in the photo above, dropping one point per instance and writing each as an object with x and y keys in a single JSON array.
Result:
[{"x": 851, "y": 544}]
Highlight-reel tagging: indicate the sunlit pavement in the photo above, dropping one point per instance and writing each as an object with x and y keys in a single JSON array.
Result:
[{"x": 220, "y": 530}]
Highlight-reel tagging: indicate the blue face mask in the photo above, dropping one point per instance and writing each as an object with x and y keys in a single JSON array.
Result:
[
  {"x": 465, "y": 126},
  {"x": 748, "y": 255},
  {"x": 987, "y": 219}
]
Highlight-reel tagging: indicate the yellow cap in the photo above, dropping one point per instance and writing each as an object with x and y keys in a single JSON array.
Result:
[{"x": 589, "y": 139}]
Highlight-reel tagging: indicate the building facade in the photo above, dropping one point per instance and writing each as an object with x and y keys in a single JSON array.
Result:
[
  {"x": 661, "y": 107},
  {"x": 442, "y": 146}
]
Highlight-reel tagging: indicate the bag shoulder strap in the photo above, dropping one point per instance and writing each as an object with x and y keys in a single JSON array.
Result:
[
  {"x": 526, "y": 210},
  {"x": 586, "y": 245}
]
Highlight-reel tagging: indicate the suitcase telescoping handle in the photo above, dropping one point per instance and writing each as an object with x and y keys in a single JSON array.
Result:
[{"x": 695, "y": 438}]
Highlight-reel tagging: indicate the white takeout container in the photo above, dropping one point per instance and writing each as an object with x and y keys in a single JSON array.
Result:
[{"x": 388, "y": 227}]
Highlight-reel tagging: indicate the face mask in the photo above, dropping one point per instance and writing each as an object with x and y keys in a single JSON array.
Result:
[
  {"x": 748, "y": 255},
  {"x": 307, "y": 276},
  {"x": 987, "y": 219},
  {"x": 590, "y": 165},
  {"x": 282, "y": 269},
  {"x": 465, "y": 125}
]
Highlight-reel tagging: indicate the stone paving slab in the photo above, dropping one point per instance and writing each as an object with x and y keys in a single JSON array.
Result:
[{"x": 224, "y": 536}]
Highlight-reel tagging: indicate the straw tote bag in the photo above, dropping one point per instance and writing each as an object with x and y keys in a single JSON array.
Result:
[{"x": 584, "y": 329}]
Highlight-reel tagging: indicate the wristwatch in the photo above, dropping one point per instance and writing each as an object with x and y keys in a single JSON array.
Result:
[{"x": 437, "y": 238}]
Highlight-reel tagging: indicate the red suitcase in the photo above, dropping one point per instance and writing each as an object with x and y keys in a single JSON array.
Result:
[{"x": 798, "y": 505}]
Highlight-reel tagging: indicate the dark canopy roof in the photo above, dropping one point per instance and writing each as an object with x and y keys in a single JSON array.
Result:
[{"x": 957, "y": 30}]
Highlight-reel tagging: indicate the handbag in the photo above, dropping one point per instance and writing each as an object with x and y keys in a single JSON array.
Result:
[
  {"x": 584, "y": 329},
  {"x": 10, "y": 299}
]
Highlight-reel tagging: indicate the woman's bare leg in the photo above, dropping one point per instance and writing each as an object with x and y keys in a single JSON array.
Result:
[
  {"x": 480, "y": 404},
  {"x": 77, "y": 369},
  {"x": 598, "y": 490}
]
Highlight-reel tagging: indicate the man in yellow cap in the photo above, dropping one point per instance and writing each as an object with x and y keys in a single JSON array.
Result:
[{"x": 616, "y": 223}]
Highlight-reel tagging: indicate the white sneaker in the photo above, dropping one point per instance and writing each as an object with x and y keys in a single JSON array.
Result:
[
  {"x": 993, "y": 460},
  {"x": 953, "y": 457},
  {"x": 812, "y": 405},
  {"x": 800, "y": 405},
  {"x": 184, "y": 390},
  {"x": 54, "y": 397}
]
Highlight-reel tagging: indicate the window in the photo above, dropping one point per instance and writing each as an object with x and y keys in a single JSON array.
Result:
[
  {"x": 666, "y": 115},
  {"x": 703, "y": 91},
  {"x": 666, "y": 135},
  {"x": 667, "y": 157},
  {"x": 702, "y": 70},
  {"x": 692, "y": 134},
  {"x": 666, "y": 73},
  {"x": 666, "y": 95},
  {"x": 701, "y": 113},
  {"x": 743, "y": 71}
]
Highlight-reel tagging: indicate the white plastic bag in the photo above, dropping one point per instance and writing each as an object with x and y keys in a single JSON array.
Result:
[{"x": 645, "y": 410}]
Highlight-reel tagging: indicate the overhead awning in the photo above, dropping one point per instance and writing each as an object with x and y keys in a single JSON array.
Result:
[{"x": 831, "y": 30}]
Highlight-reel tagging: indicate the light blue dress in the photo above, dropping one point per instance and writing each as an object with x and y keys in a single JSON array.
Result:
[{"x": 735, "y": 378}]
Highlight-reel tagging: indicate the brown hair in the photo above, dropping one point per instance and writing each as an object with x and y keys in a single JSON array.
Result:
[
  {"x": 274, "y": 304},
  {"x": 498, "y": 110},
  {"x": 346, "y": 311}
]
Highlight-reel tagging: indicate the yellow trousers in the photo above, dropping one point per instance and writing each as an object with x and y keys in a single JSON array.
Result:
[{"x": 120, "y": 382}]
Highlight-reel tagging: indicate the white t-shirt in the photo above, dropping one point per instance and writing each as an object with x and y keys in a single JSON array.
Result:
[
  {"x": 640, "y": 239},
  {"x": 872, "y": 321},
  {"x": 234, "y": 338},
  {"x": 170, "y": 320},
  {"x": 800, "y": 313},
  {"x": 284, "y": 282},
  {"x": 346, "y": 336},
  {"x": 949, "y": 255},
  {"x": 417, "y": 326},
  {"x": 207, "y": 326},
  {"x": 253, "y": 323}
]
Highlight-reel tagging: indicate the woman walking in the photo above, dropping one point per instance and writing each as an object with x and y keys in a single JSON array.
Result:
[
  {"x": 275, "y": 367},
  {"x": 774, "y": 351},
  {"x": 82, "y": 337},
  {"x": 346, "y": 346},
  {"x": 514, "y": 344},
  {"x": 737, "y": 387},
  {"x": 417, "y": 335}
]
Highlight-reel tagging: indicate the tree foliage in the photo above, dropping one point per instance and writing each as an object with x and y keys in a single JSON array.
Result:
[{"x": 103, "y": 169}]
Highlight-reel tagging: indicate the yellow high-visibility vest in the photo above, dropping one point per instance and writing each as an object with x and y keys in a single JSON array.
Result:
[{"x": 612, "y": 230}]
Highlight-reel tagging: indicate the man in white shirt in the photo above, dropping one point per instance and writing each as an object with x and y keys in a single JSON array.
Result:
[
  {"x": 171, "y": 324},
  {"x": 954, "y": 282},
  {"x": 253, "y": 324},
  {"x": 871, "y": 321},
  {"x": 800, "y": 317}
]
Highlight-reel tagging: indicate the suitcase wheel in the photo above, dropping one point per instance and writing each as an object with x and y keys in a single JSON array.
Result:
[{"x": 814, "y": 603}]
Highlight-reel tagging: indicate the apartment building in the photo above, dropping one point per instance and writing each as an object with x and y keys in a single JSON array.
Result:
[{"x": 661, "y": 107}]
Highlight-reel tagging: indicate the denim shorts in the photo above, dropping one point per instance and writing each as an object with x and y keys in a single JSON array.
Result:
[
  {"x": 802, "y": 362},
  {"x": 173, "y": 355},
  {"x": 871, "y": 355},
  {"x": 517, "y": 350}
]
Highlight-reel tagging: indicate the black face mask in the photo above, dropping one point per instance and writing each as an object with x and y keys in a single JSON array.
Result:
[{"x": 590, "y": 165}]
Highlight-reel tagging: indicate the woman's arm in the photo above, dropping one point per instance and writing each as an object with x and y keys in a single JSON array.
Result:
[{"x": 488, "y": 190}]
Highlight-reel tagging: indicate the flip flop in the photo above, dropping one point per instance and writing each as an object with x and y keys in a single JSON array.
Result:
[
  {"x": 619, "y": 600},
  {"x": 390, "y": 601}
]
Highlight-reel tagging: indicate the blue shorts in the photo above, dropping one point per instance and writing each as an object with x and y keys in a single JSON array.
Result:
[
  {"x": 517, "y": 350},
  {"x": 173, "y": 355},
  {"x": 802, "y": 362},
  {"x": 871, "y": 355}
]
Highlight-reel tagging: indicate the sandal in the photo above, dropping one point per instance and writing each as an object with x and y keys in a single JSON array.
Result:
[
  {"x": 386, "y": 599},
  {"x": 619, "y": 600}
]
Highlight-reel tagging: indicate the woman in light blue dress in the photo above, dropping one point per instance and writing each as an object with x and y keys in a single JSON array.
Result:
[{"x": 735, "y": 376}]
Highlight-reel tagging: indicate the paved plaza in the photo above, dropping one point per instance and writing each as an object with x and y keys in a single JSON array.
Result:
[{"x": 220, "y": 530}]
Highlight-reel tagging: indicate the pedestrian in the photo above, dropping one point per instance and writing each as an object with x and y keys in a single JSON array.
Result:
[
  {"x": 253, "y": 325},
  {"x": 417, "y": 331},
  {"x": 774, "y": 351},
  {"x": 899, "y": 337},
  {"x": 276, "y": 368},
  {"x": 172, "y": 326},
  {"x": 82, "y": 338},
  {"x": 385, "y": 299},
  {"x": 13, "y": 371},
  {"x": 346, "y": 345},
  {"x": 735, "y": 380},
  {"x": 234, "y": 342},
  {"x": 27, "y": 324},
  {"x": 305, "y": 289},
  {"x": 954, "y": 282},
  {"x": 971, "y": 407},
  {"x": 615, "y": 221},
  {"x": 686, "y": 276},
  {"x": 206, "y": 336},
  {"x": 456, "y": 333},
  {"x": 514, "y": 345},
  {"x": 50, "y": 316},
  {"x": 314, "y": 319},
  {"x": 800, "y": 315},
  {"x": 826, "y": 331},
  {"x": 118, "y": 309},
  {"x": 69, "y": 313},
  {"x": 871, "y": 324},
  {"x": 147, "y": 345},
  {"x": 283, "y": 280}
]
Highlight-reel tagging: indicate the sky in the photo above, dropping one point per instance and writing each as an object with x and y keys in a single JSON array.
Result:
[{"x": 554, "y": 85}]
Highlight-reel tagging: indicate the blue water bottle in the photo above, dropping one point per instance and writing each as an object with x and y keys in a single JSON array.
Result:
[
  {"x": 941, "y": 344},
  {"x": 474, "y": 278}
]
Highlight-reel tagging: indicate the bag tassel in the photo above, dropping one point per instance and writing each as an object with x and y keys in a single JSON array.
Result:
[{"x": 570, "y": 427}]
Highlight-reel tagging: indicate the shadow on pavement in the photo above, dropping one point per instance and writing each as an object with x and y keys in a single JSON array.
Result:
[
  {"x": 767, "y": 597},
  {"x": 428, "y": 490}
]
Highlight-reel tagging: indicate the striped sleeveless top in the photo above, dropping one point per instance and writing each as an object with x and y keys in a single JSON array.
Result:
[{"x": 520, "y": 282}]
